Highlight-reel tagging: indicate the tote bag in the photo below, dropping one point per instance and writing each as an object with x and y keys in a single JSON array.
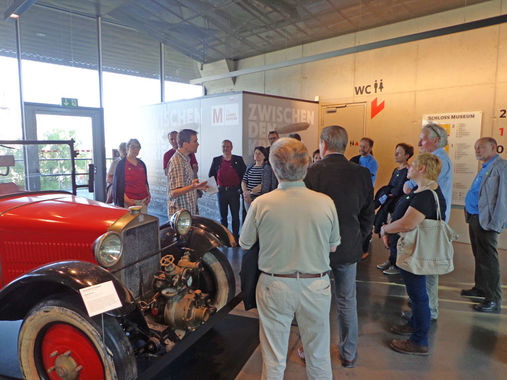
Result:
[{"x": 427, "y": 249}]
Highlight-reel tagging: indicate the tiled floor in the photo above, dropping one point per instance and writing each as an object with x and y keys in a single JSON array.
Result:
[{"x": 464, "y": 344}]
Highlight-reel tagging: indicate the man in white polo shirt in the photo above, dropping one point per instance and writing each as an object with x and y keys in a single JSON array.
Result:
[{"x": 296, "y": 229}]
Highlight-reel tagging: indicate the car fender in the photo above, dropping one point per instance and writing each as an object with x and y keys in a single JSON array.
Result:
[
  {"x": 216, "y": 233},
  {"x": 18, "y": 297}
]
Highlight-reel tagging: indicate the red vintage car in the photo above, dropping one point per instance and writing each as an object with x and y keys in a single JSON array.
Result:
[{"x": 170, "y": 279}]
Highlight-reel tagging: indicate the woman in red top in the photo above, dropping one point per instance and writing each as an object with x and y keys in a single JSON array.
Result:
[{"x": 130, "y": 184}]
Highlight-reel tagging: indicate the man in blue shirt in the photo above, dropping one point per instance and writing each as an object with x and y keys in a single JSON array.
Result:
[
  {"x": 433, "y": 139},
  {"x": 366, "y": 159},
  {"x": 485, "y": 213}
]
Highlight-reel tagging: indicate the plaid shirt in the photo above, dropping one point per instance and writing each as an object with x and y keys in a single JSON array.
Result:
[{"x": 180, "y": 174}]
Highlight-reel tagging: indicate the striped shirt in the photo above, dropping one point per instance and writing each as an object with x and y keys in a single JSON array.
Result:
[
  {"x": 180, "y": 174},
  {"x": 253, "y": 176}
]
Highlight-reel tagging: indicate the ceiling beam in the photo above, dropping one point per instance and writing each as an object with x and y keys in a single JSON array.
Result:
[{"x": 356, "y": 49}]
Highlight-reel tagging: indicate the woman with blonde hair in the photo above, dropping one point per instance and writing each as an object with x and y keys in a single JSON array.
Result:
[{"x": 410, "y": 211}]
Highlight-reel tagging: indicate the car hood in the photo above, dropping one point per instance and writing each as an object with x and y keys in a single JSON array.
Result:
[{"x": 60, "y": 210}]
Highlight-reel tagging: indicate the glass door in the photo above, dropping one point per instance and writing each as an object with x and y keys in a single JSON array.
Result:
[{"x": 83, "y": 124}]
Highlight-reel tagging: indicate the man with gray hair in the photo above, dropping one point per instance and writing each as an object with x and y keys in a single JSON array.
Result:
[
  {"x": 433, "y": 139},
  {"x": 296, "y": 229},
  {"x": 486, "y": 215},
  {"x": 350, "y": 187}
]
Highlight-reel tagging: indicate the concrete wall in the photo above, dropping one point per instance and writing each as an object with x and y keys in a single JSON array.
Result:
[{"x": 466, "y": 71}]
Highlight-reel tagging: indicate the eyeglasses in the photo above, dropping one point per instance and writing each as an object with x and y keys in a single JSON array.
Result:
[
  {"x": 135, "y": 147},
  {"x": 433, "y": 129}
]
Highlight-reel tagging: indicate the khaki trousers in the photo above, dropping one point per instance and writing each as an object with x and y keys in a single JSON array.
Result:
[{"x": 278, "y": 301}]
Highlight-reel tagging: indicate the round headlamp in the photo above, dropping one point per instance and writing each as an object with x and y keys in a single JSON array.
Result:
[
  {"x": 108, "y": 249},
  {"x": 181, "y": 221}
]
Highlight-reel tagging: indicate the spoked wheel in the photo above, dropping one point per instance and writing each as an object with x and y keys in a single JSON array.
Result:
[
  {"x": 217, "y": 279},
  {"x": 58, "y": 341}
]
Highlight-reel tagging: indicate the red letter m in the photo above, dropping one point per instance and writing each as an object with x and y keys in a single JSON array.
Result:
[{"x": 217, "y": 115}]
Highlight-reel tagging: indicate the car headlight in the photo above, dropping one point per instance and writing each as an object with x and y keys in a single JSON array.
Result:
[
  {"x": 181, "y": 221},
  {"x": 108, "y": 249}
]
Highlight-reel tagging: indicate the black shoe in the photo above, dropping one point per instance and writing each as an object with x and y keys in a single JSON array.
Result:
[
  {"x": 349, "y": 363},
  {"x": 473, "y": 293},
  {"x": 488, "y": 306}
]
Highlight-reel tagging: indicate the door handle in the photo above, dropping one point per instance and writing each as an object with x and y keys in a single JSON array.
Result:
[{"x": 91, "y": 177}]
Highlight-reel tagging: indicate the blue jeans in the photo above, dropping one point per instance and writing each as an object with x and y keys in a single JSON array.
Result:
[
  {"x": 346, "y": 304},
  {"x": 229, "y": 198},
  {"x": 420, "y": 321}
]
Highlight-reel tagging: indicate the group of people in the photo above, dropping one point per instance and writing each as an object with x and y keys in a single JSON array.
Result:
[{"x": 316, "y": 219}]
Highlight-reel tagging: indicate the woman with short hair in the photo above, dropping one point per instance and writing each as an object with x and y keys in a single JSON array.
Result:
[
  {"x": 251, "y": 183},
  {"x": 410, "y": 211},
  {"x": 130, "y": 183},
  {"x": 386, "y": 198}
]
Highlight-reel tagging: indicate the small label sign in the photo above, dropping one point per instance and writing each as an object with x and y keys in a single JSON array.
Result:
[
  {"x": 100, "y": 298},
  {"x": 69, "y": 102}
]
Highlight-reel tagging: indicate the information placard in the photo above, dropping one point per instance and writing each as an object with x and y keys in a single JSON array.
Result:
[
  {"x": 100, "y": 298},
  {"x": 463, "y": 130}
]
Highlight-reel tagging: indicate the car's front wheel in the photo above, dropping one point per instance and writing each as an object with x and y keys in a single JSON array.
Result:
[
  {"x": 217, "y": 279},
  {"x": 58, "y": 340}
]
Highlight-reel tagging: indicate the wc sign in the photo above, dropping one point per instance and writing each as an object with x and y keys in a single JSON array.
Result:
[{"x": 227, "y": 114}]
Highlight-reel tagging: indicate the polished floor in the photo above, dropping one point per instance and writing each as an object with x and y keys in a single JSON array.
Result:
[{"x": 464, "y": 344}]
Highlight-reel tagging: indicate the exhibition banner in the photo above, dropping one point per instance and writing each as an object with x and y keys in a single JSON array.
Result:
[
  {"x": 244, "y": 118},
  {"x": 264, "y": 113}
]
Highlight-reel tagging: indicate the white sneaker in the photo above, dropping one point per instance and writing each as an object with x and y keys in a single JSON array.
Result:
[
  {"x": 391, "y": 270},
  {"x": 384, "y": 265}
]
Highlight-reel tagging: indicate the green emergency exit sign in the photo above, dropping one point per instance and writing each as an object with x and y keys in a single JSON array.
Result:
[{"x": 69, "y": 102}]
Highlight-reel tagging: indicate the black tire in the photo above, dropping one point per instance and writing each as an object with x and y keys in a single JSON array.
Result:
[
  {"x": 217, "y": 279},
  {"x": 53, "y": 316}
]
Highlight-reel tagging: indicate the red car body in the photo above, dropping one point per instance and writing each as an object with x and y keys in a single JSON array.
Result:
[
  {"x": 37, "y": 229},
  {"x": 54, "y": 244}
]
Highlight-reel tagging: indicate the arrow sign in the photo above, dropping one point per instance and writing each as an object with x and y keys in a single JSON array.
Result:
[{"x": 375, "y": 109}]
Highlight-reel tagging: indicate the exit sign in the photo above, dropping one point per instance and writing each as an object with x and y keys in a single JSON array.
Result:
[{"x": 69, "y": 102}]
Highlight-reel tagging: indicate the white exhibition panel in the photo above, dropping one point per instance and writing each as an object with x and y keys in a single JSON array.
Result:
[{"x": 244, "y": 118}]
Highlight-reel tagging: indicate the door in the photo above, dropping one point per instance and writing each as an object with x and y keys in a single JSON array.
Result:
[
  {"x": 83, "y": 124},
  {"x": 349, "y": 116}
]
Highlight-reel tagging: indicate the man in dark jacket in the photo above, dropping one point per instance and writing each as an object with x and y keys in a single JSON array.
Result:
[
  {"x": 228, "y": 170},
  {"x": 350, "y": 187}
]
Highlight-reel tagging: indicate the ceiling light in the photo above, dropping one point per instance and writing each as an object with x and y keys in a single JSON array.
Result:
[{"x": 17, "y": 7}]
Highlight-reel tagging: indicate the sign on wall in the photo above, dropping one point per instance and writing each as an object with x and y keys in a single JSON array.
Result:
[
  {"x": 264, "y": 113},
  {"x": 463, "y": 130}
]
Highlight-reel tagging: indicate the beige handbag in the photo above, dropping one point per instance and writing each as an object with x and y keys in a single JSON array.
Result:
[{"x": 427, "y": 249}]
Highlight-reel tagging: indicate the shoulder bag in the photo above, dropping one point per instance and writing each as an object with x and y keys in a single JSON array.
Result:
[{"x": 427, "y": 249}]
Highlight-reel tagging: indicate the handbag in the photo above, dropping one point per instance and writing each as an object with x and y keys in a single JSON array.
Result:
[
  {"x": 249, "y": 276},
  {"x": 427, "y": 249}
]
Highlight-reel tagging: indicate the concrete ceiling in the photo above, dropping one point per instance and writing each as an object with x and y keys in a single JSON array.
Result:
[{"x": 211, "y": 30}]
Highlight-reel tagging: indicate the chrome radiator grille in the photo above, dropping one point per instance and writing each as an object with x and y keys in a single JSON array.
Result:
[{"x": 138, "y": 262}]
